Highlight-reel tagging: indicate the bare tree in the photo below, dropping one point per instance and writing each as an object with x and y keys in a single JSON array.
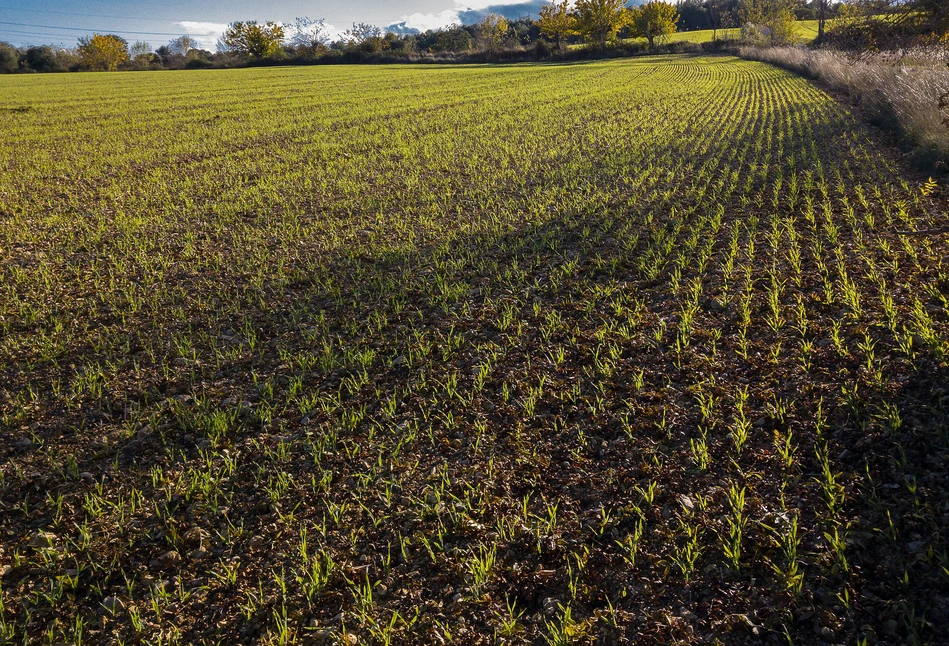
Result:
[
  {"x": 310, "y": 34},
  {"x": 141, "y": 54},
  {"x": 362, "y": 32},
  {"x": 182, "y": 45}
]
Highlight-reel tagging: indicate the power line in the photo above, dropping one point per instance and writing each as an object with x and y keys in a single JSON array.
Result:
[
  {"x": 90, "y": 15},
  {"x": 87, "y": 30},
  {"x": 33, "y": 33},
  {"x": 175, "y": 20}
]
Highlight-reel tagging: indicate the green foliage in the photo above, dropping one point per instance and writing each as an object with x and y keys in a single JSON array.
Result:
[
  {"x": 654, "y": 21},
  {"x": 254, "y": 39},
  {"x": 598, "y": 21},
  {"x": 9, "y": 58},
  {"x": 454, "y": 39},
  {"x": 492, "y": 31},
  {"x": 557, "y": 21},
  {"x": 42, "y": 59}
]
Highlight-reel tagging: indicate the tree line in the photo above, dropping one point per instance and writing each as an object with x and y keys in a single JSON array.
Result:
[{"x": 597, "y": 25}]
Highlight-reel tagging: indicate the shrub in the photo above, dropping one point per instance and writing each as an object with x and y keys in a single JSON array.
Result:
[
  {"x": 542, "y": 50},
  {"x": 198, "y": 64},
  {"x": 42, "y": 59}
]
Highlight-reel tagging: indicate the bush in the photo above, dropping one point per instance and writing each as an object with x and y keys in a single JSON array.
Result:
[
  {"x": 720, "y": 46},
  {"x": 680, "y": 47},
  {"x": 199, "y": 64},
  {"x": 42, "y": 59},
  {"x": 542, "y": 50}
]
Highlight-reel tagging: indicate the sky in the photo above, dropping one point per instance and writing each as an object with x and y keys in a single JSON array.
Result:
[{"x": 62, "y": 22}]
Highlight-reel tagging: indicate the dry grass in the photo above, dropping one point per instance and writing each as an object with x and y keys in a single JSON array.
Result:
[{"x": 902, "y": 88}]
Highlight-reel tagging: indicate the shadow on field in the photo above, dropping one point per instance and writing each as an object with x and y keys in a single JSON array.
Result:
[{"x": 591, "y": 439}]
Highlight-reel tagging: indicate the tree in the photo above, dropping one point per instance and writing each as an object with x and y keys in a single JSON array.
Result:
[
  {"x": 655, "y": 19},
  {"x": 452, "y": 39},
  {"x": 42, "y": 59},
  {"x": 599, "y": 20},
  {"x": 721, "y": 14},
  {"x": 557, "y": 21},
  {"x": 524, "y": 30},
  {"x": 364, "y": 37},
  {"x": 254, "y": 39},
  {"x": 693, "y": 14},
  {"x": 776, "y": 16},
  {"x": 102, "y": 52},
  {"x": 181, "y": 45},
  {"x": 9, "y": 58},
  {"x": 141, "y": 53},
  {"x": 310, "y": 35},
  {"x": 492, "y": 30},
  {"x": 821, "y": 20}
]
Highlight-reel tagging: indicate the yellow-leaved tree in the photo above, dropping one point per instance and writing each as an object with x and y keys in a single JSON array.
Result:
[
  {"x": 557, "y": 21},
  {"x": 654, "y": 21},
  {"x": 599, "y": 20},
  {"x": 102, "y": 52},
  {"x": 492, "y": 30},
  {"x": 254, "y": 39}
]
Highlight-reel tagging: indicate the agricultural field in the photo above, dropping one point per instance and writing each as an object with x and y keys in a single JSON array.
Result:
[
  {"x": 805, "y": 30},
  {"x": 618, "y": 352}
]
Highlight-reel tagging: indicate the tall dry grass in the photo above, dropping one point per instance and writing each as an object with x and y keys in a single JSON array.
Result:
[{"x": 901, "y": 88}]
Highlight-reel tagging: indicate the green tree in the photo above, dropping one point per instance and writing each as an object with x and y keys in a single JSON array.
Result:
[
  {"x": 254, "y": 39},
  {"x": 9, "y": 58},
  {"x": 102, "y": 52},
  {"x": 599, "y": 20},
  {"x": 42, "y": 59},
  {"x": 452, "y": 39},
  {"x": 655, "y": 19},
  {"x": 557, "y": 21}
]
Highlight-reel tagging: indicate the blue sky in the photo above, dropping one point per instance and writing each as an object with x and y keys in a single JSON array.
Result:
[{"x": 30, "y": 22}]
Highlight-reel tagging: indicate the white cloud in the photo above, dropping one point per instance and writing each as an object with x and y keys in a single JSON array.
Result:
[
  {"x": 334, "y": 33},
  {"x": 480, "y": 4},
  {"x": 426, "y": 21},
  {"x": 206, "y": 33}
]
